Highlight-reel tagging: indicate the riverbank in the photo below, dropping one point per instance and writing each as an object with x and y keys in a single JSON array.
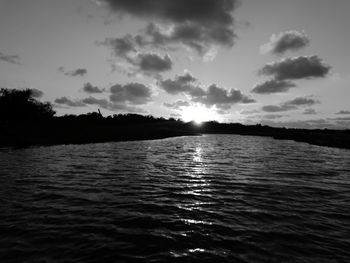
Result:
[
  {"x": 31, "y": 135},
  {"x": 320, "y": 137},
  {"x": 78, "y": 130}
]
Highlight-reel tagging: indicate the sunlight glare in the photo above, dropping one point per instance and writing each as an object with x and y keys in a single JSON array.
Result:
[{"x": 199, "y": 114}]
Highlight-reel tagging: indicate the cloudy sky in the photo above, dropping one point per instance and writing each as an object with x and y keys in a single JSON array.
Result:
[{"x": 276, "y": 62}]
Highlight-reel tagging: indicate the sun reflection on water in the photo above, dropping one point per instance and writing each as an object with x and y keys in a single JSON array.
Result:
[
  {"x": 197, "y": 157},
  {"x": 197, "y": 187}
]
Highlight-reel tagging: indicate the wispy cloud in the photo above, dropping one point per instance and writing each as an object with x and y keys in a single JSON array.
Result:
[
  {"x": 273, "y": 86},
  {"x": 69, "y": 102},
  {"x": 13, "y": 59},
  {"x": 80, "y": 72},
  {"x": 291, "y": 104},
  {"x": 285, "y": 41},
  {"x": 343, "y": 112}
]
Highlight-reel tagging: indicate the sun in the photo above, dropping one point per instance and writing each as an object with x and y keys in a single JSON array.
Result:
[{"x": 199, "y": 114}]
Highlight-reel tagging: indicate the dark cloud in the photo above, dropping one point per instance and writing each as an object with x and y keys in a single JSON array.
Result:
[
  {"x": 343, "y": 112},
  {"x": 13, "y": 59},
  {"x": 80, "y": 72},
  {"x": 103, "y": 103},
  {"x": 194, "y": 36},
  {"x": 182, "y": 83},
  {"x": 154, "y": 63},
  {"x": 37, "y": 93},
  {"x": 68, "y": 102},
  {"x": 89, "y": 88},
  {"x": 309, "y": 112},
  {"x": 222, "y": 98},
  {"x": 121, "y": 47},
  {"x": 303, "y": 67},
  {"x": 194, "y": 23},
  {"x": 197, "y": 11},
  {"x": 213, "y": 96},
  {"x": 302, "y": 101},
  {"x": 177, "y": 105},
  {"x": 147, "y": 63},
  {"x": 286, "y": 41},
  {"x": 291, "y": 104},
  {"x": 122, "y": 98},
  {"x": 273, "y": 86},
  {"x": 133, "y": 93}
]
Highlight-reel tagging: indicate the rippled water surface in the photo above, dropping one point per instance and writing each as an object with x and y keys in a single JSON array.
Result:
[{"x": 212, "y": 198}]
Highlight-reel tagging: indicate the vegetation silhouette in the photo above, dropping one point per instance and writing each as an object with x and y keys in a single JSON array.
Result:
[
  {"x": 25, "y": 121},
  {"x": 20, "y": 105}
]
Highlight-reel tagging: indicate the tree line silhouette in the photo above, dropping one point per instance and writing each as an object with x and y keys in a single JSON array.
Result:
[{"x": 25, "y": 121}]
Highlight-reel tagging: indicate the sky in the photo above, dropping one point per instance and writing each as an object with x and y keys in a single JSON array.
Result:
[{"x": 275, "y": 62}]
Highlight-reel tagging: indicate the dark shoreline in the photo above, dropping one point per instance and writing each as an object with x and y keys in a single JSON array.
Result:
[{"x": 63, "y": 130}]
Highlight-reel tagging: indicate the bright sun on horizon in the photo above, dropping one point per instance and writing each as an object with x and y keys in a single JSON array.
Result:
[{"x": 199, "y": 114}]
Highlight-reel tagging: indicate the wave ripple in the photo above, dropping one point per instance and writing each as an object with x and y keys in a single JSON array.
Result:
[{"x": 226, "y": 198}]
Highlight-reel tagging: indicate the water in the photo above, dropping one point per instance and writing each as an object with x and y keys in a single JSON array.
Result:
[{"x": 213, "y": 198}]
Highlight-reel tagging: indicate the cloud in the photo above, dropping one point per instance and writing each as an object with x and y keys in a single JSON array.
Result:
[
  {"x": 273, "y": 86},
  {"x": 68, "y": 102},
  {"x": 198, "y": 24},
  {"x": 175, "y": 115},
  {"x": 121, "y": 47},
  {"x": 309, "y": 112},
  {"x": 212, "y": 96},
  {"x": 249, "y": 112},
  {"x": 341, "y": 119},
  {"x": 103, "y": 103},
  {"x": 133, "y": 93},
  {"x": 182, "y": 83},
  {"x": 272, "y": 116},
  {"x": 37, "y": 93},
  {"x": 80, "y": 72},
  {"x": 13, "y": 59},
  {"x": 302, "y": 101},
  {"x": 89, "y": 88},
  {"x": 286, "y": 41},
  {"x": 303, "y": 67},
  {"x": 222, "y": 98},
  {"x": 278, "y": 108},
  {"x": 112, "y": 106},
  {"x": 343, "y": 112},
  {"x": 177, "y": 105},
  {"x": 146, "y": 63},
  {"x": 198, "y": 11},
  {"x": 291, "y": 104},
  {"x": 195, "y": 36},
  {"x": 154, "y": 63},
  {"x": 122, "y": 98}
]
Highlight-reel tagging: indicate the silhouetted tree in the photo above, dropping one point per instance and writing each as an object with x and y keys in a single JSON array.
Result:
[{"x": 20, "y": 105}]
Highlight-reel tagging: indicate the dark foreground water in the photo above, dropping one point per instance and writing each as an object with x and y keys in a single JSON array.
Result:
[{"x": 213, "y": 198}]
